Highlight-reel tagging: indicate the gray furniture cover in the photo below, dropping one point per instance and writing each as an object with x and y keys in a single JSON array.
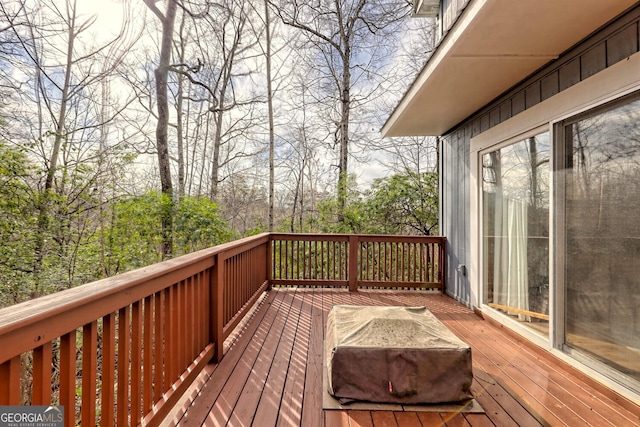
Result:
[{"x": 394, "y": 355}]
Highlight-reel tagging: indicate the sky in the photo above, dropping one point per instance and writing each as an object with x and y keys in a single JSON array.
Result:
[{"x": 109, "y": 15}]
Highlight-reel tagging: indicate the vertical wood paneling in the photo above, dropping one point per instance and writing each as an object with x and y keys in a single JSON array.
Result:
[
  {"x": 593, "y": 61},
  {"x": 622, "y": 44},
  {"x": 532, "y": 94},
  {"x": 550, "y": 85},
  {"x": 505, "y": 110},
  {"x": 569, "y": 74},
  {"x": 518, "y": 104},
  {"x": 494, "y": 117}
]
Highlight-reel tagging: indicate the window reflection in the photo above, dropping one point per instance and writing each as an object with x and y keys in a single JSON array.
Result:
[{"x": 602, "y": 248}]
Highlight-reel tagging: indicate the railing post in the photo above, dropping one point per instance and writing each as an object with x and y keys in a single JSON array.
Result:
[
  {"x": 270, "y": 262},
  {"x": 217, "y": 307},
  {"x": 352, "y": 272},
  {"x": 10, "y": 382},
  {"x": 442, "y": 263}
]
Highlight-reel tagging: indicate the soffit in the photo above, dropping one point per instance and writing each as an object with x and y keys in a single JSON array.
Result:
[{"x": 494, "y": 45}]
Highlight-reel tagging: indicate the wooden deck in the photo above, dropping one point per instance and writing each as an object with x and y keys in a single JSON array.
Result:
[{"x": 272, "y": 373}]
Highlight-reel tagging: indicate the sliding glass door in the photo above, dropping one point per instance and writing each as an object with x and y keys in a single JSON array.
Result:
[
  {"x": 599, "y": 172},
  {"x": 515, "y": 189}
]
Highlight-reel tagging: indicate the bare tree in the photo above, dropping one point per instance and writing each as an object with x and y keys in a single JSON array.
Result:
[
  {"x": 54, "y": 86},
  {"x": 407, "y": 154},
  {"x": 267, "y": 24},
  {"x": 349, "y": 39},
  {"x": 161, "y": 73}
]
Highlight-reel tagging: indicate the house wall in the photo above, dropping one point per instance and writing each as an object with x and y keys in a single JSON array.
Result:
[
  {"x": 450, "y": 11},
  {"x": 612, "y": 43}
]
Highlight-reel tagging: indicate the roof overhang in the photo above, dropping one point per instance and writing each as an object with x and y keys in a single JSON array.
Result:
[{"x": 494, "y": 45}]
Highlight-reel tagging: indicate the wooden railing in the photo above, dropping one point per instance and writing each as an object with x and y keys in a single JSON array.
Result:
[
  {"x": 121, "y": 351},
  {"x": 358, "y": 260}
]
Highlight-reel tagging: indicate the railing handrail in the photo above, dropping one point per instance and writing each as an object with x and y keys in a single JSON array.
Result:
[{"x": 345, "y": 236}]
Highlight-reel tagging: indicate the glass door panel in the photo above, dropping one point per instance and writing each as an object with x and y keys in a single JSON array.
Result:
[
  {"x": 602, "y": 236},
  {"x": 515, "y": 184}
]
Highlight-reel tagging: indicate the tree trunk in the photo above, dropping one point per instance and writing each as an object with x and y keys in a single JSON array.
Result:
[
  {"x": 267, "y": 23},
  {"x": 162, "y": 128},
  {"x": 44, "y": 202},
  {"x": 345, "y": 98}
]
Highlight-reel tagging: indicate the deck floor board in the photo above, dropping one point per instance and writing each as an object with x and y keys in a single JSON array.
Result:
[{"x": 272, "y": 372}]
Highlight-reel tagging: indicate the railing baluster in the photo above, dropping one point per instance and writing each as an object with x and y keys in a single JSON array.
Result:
[
  {"x": 124, "y": 325},
  {"x": 171, "y": 332},
  {"x": 147, "y": 356},
  {"x": 136, "y": 361},
  {"x": 160, "y": 326},
  {"x": 41, "y": 393},
  {"x": 108, "y": 369},
  {"x": 181, "y": 333},
  {"x": 68, "y": 377},
  {"x": 89, "y": 373},
  {"x": 193, "y": 314},
  {"x": 10, "y": 382}
]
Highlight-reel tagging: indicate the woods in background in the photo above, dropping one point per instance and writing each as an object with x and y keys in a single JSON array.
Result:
[{"x": 146, "y": 133}]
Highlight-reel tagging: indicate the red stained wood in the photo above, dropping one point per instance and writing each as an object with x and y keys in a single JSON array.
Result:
[
  {"x": 211, "y": 390},
  {"x": 336, "y": 418},
  {"x": 360, "y": 418},
  {"x": 291, "y": 404},
  {"x": 147, "y": 357},
  {"x": 267, "y": 378},
  {"x": 502, "y": 385},
  {"x": 136, "y": 362},
  {"x": 407, "y": 419},
  {"x": 454, "y": 420},
  {"x": 430, "y": 419},
  {"x": 384, "y": 419},
  {"x": 10, "y": 382},
  {"x": 158, "y": 339},
  {"x": 41, "y": 392},
  {"x": 89, "y": 372},
  {"x": 357, "y": 260},
  {"x": 124, "y": 344},
  {"x": 479, "y": 420},
  {"x": 108, "y": 369},
  {"x": 68, "y": 377}
]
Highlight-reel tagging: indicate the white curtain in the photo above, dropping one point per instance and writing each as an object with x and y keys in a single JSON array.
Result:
[{"x": 511, "y": 286}]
